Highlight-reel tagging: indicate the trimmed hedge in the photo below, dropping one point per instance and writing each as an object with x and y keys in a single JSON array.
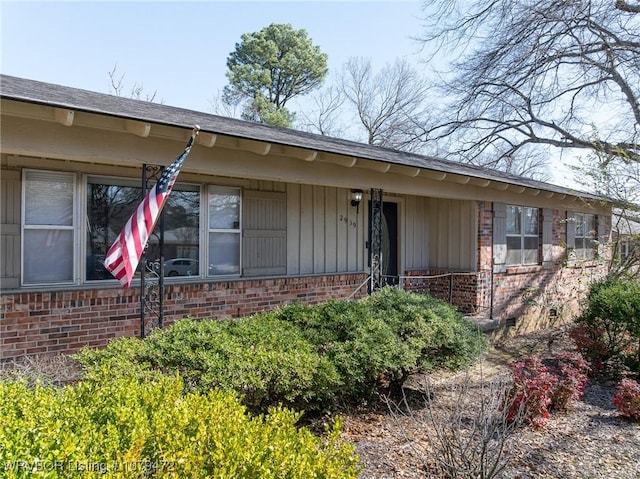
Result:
[
  {"x": 305, "y": 357},
  {"x": 123, "y": 428}
]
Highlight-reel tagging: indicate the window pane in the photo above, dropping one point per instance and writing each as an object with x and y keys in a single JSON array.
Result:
[
  {"x": 514, "y": 249},
  {"x": 579, "y": 225},
  {"x": 48, "y": 198},
  {"x": 531, "y": 221},
  {"x": 224, "y": 253},
  {"x": 111, "y": 202},
  {"x": 108, "y": 208},
  {"x": 224, "y": 208},
  {"x": 514, "y": 216},
  {"x": 589, "y": 248},
  {"x": 181, "y": 234},
  {"x": 590, "y": 225},
  {"x": 530, "y": 255},
  {"x": 48, "y": 256}
]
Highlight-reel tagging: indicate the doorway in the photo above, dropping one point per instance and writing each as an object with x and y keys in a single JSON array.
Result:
[{"x": 389, "y": 242}]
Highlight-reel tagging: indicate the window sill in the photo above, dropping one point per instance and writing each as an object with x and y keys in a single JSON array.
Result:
[
  {"x": 583, "y": 263},
  {"x": 523, "y": 269}
]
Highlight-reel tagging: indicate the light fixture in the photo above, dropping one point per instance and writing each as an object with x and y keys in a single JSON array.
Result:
[{"x": 356, "y": 198}]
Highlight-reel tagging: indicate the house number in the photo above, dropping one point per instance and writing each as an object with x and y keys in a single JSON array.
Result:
[{"x": 351, "y": 223}]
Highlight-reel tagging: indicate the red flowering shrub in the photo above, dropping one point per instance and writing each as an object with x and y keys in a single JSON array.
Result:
[
  {"x": 538, "y": 389},
  {"x": 571, "y": 370},
  {"x": 530, "y": 395},
  {"x": 627, "y": 399},
  {"x": 589, "y": 341}
]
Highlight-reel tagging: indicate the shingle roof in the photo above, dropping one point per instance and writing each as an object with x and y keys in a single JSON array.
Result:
[{"x": 31, "y": 91}]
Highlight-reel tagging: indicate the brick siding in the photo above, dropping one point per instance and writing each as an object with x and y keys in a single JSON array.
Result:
[{"x": 49, "y": 323}]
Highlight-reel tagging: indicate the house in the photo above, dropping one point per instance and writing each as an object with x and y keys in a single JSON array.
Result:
[{"x": 276, "y": 216}]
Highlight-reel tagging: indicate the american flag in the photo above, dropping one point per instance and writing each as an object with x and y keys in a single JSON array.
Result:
[{"x": 124, "y": 255}]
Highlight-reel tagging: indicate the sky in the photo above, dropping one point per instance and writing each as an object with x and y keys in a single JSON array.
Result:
[{"x": 178, "y": 50}]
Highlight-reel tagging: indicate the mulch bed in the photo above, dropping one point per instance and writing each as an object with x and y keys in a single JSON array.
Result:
[{"x": 591, "y": 440}]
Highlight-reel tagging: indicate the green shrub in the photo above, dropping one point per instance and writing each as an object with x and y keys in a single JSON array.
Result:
[
  {"x": 304, "y": 357},
  {"x": 127, "y": 428},
  {"x": 385, "y": 337},
  {"x": 441, "y": 334},
  {"x": 608, "y": 332},
  {"x": 264, "y": 359}
]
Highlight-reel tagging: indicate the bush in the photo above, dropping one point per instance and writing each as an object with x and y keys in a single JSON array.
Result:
[
  {"x": 129, "y": 428},
  {"x": 265, "y": 360},
  {"x": 539, "y": 389},
  {"x": 571, "y": 369},
  {"x": 627, "y": 399},
  {"x": 531, "y": 392},
  {"x": 381, "y": 339},
  {"x": 305, "y": 357},
  {"x": 444, "y": 338},
  {"x": 609, "y": 328}
]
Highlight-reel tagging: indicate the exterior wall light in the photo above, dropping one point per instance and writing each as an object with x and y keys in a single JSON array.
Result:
[{"x": 356, "y": 198}]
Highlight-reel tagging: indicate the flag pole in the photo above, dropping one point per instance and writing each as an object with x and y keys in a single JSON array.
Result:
[
  {"x": 123, "y": 257},
  {"x": 152, "y": 292}
]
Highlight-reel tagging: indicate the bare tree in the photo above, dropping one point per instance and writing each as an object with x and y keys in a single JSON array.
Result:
[
  {"x": 536, "y": 73},
  {"x": 117, "y": 87},
  {"x": 391, "y": 105},
  {"x": 218, "y": 106},
  {"x": 619, "y": 181},
  {"x": 323, "y": 117}
]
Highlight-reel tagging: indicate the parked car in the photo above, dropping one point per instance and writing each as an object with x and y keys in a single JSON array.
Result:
[{"x": 181, "y": 267}]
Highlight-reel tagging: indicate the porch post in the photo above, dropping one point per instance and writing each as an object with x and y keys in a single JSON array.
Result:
[
  {"x": 375, "y": 250},
  {"x": 152, "y": 272}
]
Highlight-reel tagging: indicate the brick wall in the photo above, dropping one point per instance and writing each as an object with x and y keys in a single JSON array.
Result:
[
  {"x": 534, "y": 296},
  {"x": 465, "y": 290},
  {"x": 48, "y": 323}
]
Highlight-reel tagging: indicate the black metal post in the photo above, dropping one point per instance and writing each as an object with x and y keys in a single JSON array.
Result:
[
  {"x": 375, "y": 251},
  {"x": 152, "y": 287}
]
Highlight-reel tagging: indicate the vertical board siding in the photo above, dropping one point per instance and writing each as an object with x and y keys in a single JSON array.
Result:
[
  {"x": 10, "y": 198},
  {"x": 342, "y": 234},
  {"x": 264, "y": 245},
  {"x": 324, "y": 233},
  {"x": 319, "y": 228},
  {"x": 440, "y": 233},
  {"x": 330, "y": 234},
  {"x": 293, "y": 229},
  {"x": 307, "y": 233}
]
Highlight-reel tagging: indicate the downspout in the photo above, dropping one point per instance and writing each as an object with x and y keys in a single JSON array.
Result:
[{"x": 491, "y": 265}]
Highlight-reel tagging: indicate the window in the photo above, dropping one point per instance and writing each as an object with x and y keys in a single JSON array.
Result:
[
  {"x": 522, "y": 235},
  {"x": 68, "y": 227},
  {"x": 224, "y": 230},
  {"x": 585, "y": 236},
  {"x": 48, "y": 227},
  {"x": 110, "y": 203},
  {"x": 625, "y": 248}
]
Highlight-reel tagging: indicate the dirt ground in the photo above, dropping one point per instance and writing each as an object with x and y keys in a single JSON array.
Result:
[{"x": 591, "y": 440}]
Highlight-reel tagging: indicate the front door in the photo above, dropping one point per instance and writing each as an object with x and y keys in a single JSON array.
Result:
[{"x": 390, "y": 242}]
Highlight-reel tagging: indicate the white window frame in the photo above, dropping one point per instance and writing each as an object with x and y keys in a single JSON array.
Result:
[
  {"x": 40, "y": 227},
  {"x": 522, "y": 235},
  {"x": 211, "y": 188},
  {"x": 79, "y": 226},
  {"x": 585, "y": 234}
]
